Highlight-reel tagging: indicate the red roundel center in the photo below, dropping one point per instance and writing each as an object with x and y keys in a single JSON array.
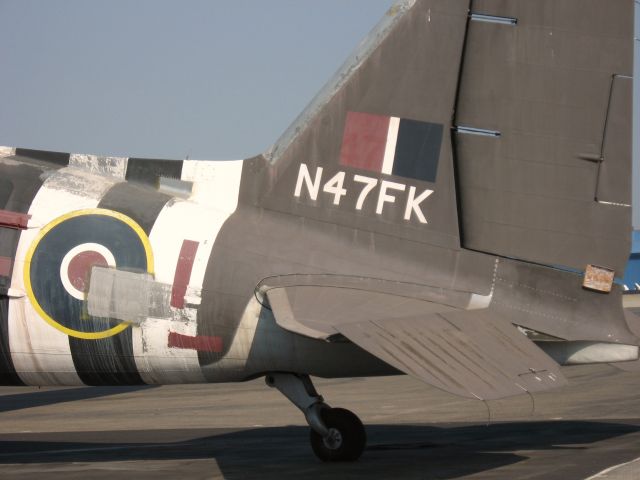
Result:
[{"x": 80, "y": 267}]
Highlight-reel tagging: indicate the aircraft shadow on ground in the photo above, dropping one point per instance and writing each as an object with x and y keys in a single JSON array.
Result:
[
  {"x": 394, "y": 451},
  {"x": 39, "y": 398}
]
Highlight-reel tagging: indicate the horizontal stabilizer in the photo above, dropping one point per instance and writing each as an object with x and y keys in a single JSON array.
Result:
[
  {"x": 441, "y": 341},
  {"x": 316, "y": 311},
  {"x": 471, "y": 354}
]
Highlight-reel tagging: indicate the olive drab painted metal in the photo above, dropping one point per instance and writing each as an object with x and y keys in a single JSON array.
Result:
[{"x": 432, "y": 212}]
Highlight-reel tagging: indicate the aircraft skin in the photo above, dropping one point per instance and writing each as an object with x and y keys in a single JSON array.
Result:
[{"x": 456, "y": 180}]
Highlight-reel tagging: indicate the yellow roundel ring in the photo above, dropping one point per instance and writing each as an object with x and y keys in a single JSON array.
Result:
[{"x": 54, "y": 297}]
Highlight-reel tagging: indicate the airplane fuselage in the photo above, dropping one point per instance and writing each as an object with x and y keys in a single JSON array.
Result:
[
  {"x": 189, "y": 305},
  {"x": 204, "y": 322}
]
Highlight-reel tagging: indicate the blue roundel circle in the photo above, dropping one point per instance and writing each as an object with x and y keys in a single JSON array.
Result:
[{"x": 59, "y": 262}]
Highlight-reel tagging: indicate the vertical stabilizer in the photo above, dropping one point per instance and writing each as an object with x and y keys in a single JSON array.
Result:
[
  {"x": 372, "y": 150},
  {"x": 501, "y": 127}
]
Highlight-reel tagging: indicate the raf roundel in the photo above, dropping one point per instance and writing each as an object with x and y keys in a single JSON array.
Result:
[
  {"x": 77, "y": 264},
  {"x": 59, "y": 262}
]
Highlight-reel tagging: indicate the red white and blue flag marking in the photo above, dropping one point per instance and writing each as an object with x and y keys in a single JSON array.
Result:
[{"x": 391, "y": 145}]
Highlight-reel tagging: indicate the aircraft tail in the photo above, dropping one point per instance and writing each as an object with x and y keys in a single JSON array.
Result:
[{"x": 499, "y": 127}]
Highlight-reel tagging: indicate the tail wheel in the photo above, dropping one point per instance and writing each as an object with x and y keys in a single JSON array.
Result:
[{"x": 346, "y": 439}]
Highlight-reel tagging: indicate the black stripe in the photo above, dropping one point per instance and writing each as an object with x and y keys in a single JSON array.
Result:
[
  {"x": 418, "y": 150},
  {"x": 18, "y": 187},
  {"x": 8, "y": 375},
  {"x": 140, "y": 203},
  {"x": 110, "y": 361},
  {"x": 148, "y": 171},
  {"x": 6, "y": 189},
  {"x": 57, "y": 158},
  {"x": 107, "y": 361}
]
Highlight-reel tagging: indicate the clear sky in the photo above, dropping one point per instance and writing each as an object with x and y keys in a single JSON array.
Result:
[{"x": 212, "y": 79}]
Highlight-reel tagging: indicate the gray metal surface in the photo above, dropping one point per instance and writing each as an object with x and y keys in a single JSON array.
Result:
[
  {"x": 557, "y": 86},
  {"x": 554, "y": 302},
  {"x": 472, "y": 354},
  {"x": 315, "y": 309}
]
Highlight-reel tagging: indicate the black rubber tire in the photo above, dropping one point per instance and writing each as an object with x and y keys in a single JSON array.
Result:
[{"x": 354, "y": 437}]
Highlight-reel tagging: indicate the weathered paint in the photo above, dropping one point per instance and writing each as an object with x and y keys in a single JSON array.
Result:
[
  {"x": 298, "y": 220},
  {"x": 199, "y": 343},
  {"x": 18, "y": 186},
  {"x": 5, "y": 266},
  {"x": 110, "y": 359},
  {"x": 103, "y": 165},
  {"x": 40, "y": 352},
  {"x": 16, "y": 220},
  {"x": 184, "y": 267}
]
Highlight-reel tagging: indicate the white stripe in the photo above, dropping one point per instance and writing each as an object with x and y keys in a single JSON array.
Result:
[
  {"x": 390, "y": 148},
  {"x": 156, "y": 362},
  {"x": 40, "y": 353},
  {"x": 219, "y": 187},
  {"x": 216, "y": 183}
]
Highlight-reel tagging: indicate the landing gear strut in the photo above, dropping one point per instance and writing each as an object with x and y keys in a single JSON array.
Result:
[{"x": 337, "y": 435}]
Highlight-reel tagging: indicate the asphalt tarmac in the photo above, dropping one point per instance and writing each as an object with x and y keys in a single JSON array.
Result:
[{"x": 590, "y": 429}]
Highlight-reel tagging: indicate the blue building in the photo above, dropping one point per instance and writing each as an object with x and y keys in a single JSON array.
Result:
[{"x": 632, "y": 272}]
